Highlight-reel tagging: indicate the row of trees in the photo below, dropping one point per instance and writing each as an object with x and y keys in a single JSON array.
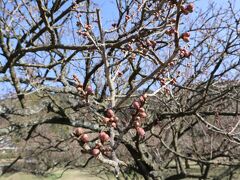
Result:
[{"x": 159, "y": 83}]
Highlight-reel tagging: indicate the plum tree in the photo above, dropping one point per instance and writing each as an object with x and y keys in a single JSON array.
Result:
[{"x": 155, "y": 80}]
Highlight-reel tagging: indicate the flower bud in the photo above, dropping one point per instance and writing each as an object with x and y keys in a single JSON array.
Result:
[
  {"x": 110, "y": 113},
  {"x": 136, "y": 105},
  {"x": 85, "y": 138},
  {"x": 140, "y": 131},
  {"x": 104, "y": 137},
  {"x": 95, "y": 152}
]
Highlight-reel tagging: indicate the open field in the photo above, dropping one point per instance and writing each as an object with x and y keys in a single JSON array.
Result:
[
  {"x": 70, "y": 174},
  {"x": 93, "y": 174}
]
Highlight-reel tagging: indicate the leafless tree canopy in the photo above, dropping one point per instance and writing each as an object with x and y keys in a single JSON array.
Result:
[{"x": 152, "y": 88}]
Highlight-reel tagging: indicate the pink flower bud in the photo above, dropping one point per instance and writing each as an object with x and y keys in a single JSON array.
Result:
[
  {"x": 89, "y": 90},
  {"x": 140, "y": 131},
  {"x": 104, "y": 137},
  {"x": 116, "y": 119},
  {"x": 110, "y": 113},
  {"x": 137, "y": 118},
  {"x": 142, "y": 115},
  {"x": 190, "y": 7},
  {"x": 141, "y": 110},
  {"x": 145, "y": 96},
  {"x": 136, "y": 105},
  {"x": 137, "y": 124},
  {"x": 95, "y": 152},
  {"x": 142, "y": 100},
  {"x": 105, "y": 120},
  {"x": 78, "y": 132},
  {"x": 85, "y": 138},
  {"x": 114, "y": 125}
]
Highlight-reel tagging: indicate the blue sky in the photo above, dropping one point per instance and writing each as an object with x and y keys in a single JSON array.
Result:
[
  {"x": 109, "y": 14},
  {"x": 108, "y": 7}
]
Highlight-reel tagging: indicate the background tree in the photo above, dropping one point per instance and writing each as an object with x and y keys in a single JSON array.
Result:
[{"x": 160, "y": 82}]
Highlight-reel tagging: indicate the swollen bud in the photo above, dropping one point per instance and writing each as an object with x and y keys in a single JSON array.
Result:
[
  {"x": 105, "y": 120},
  {"x": 89, "y": 90},
  {"x": 78, "y": 132},
  {"x": 141, "y": 110},
  {"x": 190, "y": 7},
  {"x": 110, "y": 113},
  {"x": 140, "y": 132},
  {"x": 137, "y": 118},
  {"x": 136, "y": 124},
  {"x": 142, "y": 100},
  {"x": 142, "y": 115},
  {"x": 136, "y": 105},
  {"x": 119, "y": 73},
  {"x": 186, "y": 36},
  {"x": 114, "y": 125},
  {"x": 127, "y": 17},
  {"x": 85, "y": 138},
  {"x": 104, "y": 137},
  {"x": 95, "y": 152}
]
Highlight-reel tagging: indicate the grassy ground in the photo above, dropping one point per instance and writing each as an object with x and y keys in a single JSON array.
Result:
[
  {"x": 70, "y": 174},
  {"x": 87, "y": 174},
  {"x": 96, "y": 172}
]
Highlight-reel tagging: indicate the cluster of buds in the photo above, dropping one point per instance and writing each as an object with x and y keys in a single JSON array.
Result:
[
  {"x": 139, "y": 46},
  {"x": 127, "y": 17},
  {"x": 110, "y": 118},
  {"x": 187, "y": 9},
  {"x": 87, "y": 91},
  {"x": 104, "y": 137},
  {"x": 78, "y": 84},
  {"x": 144, "y": 51},
  {"x": 162, "y": 71},
  {"x": 144, "y": 48},
  {"x": 156, "y": 15},
  {"x": 166, "y": 90},
  {"x": 151, "y": 43},
  {"x": 173, "y": 20},
  {"x": 171, "y": 63},
  {"x": 119, "y": 73},
  {"x": 83, "y": 33},
  {"x": 132, "y": 57},
  {"x": 99, "y": 148},
  {"x": 170, "y": 32},
  {"x": 79, "y": 133},
  {"x": 140, "y": 114},
  {"x": 185, "y": 36},
  {"x": 88, "y": 27},
  {"x": 75, "y": 6},
  {"x": 162, "y": 81},
  {"x": 166, "y": 81},
  {"x": 173, "y": 81},
  {"x": 128, "y": 47},
  {"x": 185, "y": 53}
]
